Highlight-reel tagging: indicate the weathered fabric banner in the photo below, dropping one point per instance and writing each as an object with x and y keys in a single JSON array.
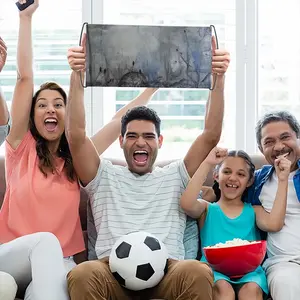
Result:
[{"x": 148, "y": 56}]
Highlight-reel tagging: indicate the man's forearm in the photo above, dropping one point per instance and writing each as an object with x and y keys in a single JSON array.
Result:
[
  {"x": 215, "y": 109},
  {"x": 278, "y": 212}
]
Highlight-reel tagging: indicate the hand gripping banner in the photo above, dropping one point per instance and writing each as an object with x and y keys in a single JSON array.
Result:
[{"x": 148, "y": 56}]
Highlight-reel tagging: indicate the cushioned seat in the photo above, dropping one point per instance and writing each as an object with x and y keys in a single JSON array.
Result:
[{"x": 258, "y": 160}]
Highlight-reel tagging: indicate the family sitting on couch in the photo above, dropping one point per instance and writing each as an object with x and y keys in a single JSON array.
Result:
[{"x": 49, "y": 159}]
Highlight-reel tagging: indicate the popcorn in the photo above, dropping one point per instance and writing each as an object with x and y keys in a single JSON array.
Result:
[{"x": 234, "y": 242}]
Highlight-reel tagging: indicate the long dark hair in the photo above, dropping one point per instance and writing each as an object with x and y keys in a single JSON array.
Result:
[
  {"x": 46, "y": 159},
  {"x": 235, "y": 153}
]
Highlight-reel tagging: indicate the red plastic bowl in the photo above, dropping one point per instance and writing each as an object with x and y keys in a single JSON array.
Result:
[{"x": 236, "y": 261}]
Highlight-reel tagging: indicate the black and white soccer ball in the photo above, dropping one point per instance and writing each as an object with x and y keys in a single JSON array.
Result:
[{"x": 138, "y": 260}]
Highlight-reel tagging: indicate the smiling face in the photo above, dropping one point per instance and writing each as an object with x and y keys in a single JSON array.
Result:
[
  {"x": 49, "y": 115},
  {"x": 278, "y": 138},
  {"x": 233, "y": 177},
  {"x": 140, "y": 145}
]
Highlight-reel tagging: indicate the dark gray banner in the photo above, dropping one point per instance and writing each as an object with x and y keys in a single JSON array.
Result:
[{"x": 148, "y": 56}]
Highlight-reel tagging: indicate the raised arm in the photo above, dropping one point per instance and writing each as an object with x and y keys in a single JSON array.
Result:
[
  {"x": 111, "y": 131},
  {"x": 208, "y": 194},
  {"x": 85, "y": 151},
  {"x": 274, "y": 221},
  {"x": 214, "y": 114},
  {"x": 22, "y": 99},
  {"x": 3, "y": 107},
  {"x": 189, "y": 200},
  {"x": 84, "y": 154}
]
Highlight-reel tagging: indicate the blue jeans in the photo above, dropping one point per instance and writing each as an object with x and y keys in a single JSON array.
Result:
[{"x": 191, "y": 239}]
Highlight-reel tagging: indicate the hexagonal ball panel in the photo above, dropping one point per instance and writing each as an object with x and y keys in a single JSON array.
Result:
[
  {"x": 144, "y": 272},
  {"x": 166, "y": 268},
  {"x": 123, "y": 250},
  {"x": 119, "y": 278},
  {"x": 152, "y": 243}
]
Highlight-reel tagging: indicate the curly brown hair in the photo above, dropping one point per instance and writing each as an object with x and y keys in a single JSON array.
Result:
[{"x": 46, "y": 159}]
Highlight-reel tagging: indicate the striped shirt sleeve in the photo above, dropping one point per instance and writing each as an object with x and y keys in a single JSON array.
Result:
[
  {"x": 185, "y": 177},
  {"x": 92, "y": 188}
]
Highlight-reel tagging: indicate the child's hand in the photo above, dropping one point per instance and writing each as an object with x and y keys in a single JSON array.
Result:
[
  {"x": 216, "y": 156},
  {"x": 282, "y": 167}
]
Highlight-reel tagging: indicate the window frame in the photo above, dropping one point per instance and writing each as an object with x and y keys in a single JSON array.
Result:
[
  {"x": 245, "y": 115},
  {"x": 247, "y": 74}
]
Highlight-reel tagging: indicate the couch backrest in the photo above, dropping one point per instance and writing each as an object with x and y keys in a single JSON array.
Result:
[{"x": 257, "y": 159}]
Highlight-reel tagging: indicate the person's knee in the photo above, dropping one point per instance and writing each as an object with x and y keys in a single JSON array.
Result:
[
  {"x": 48, "y": 238},
  {"x": 195, "y": 270},
  {"x": 287, "y": 277},
  {"x": 85, "y": 275},
  {"x": 8, "y": 286},
  {"x": 222, "y": 287},
  {"x": 47, "y": 242},
  {"x": 282, "y": 279},
  {"x": 79, "y": 273},
  {"x": 250, "y": 290}
]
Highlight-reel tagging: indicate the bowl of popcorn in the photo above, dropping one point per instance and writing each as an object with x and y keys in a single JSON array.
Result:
[{"x": 237, "y": 257}]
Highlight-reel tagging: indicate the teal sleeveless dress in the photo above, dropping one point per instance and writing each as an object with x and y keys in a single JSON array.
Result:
[{"x": 218, "y": 228}]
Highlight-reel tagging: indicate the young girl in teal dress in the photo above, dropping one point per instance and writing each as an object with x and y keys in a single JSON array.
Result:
[{"x": 230, "y": 217}]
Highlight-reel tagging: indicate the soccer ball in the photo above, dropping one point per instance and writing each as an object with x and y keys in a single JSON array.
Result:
[{"x": 138, "y": 260}]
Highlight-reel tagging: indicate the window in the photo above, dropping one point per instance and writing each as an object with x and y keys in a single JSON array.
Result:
[
  {"x": 56, "y": 27},
  {"x": 182, "y": 111},
  {"x": 264, "y": 73},
  {"x": 279, "y": 56}
]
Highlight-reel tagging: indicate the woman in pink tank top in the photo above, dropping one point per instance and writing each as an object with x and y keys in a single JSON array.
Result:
[
  {"x": 39, "y": 220},
  {"x": 40, "y": 228}
]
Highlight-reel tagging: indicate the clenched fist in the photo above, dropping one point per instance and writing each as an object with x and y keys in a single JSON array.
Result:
[
  {"x": 282, "y": 167},
  {"x": 216, "y": 156}
]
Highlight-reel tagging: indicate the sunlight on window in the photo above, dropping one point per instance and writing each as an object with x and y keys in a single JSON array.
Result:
[
  {"x": 279, "y": 56},
  {"x": 56, "y": 27},
  {"x": 182, "y": 110}
]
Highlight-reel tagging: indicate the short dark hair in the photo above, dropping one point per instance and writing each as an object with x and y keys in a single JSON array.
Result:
[
  {"x": 235, "y": 153},
  {"x": 140, "y": 113},
  {"x": 277, "y": 116}
]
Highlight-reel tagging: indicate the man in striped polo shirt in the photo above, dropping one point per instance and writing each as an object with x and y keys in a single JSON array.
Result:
[{"x": 139, "y": 196}]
